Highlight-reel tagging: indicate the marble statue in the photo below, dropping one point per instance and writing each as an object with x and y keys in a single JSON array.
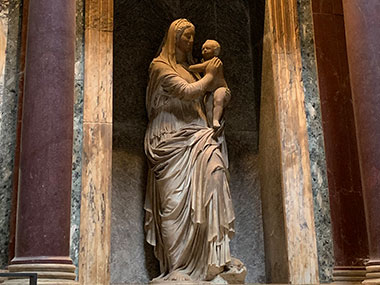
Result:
[
  {"x": 189, "y": 215},
  {"x": 220, "y": 92}
]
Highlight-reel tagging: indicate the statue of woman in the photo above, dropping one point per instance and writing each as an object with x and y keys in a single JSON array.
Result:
[{"x": 189, "y": 213}]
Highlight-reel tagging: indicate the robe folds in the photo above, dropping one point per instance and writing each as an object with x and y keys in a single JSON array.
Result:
[{"x": 189, "y": 214}]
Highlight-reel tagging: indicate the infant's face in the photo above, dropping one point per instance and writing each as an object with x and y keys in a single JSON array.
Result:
[{"x": 208, "y": 51}]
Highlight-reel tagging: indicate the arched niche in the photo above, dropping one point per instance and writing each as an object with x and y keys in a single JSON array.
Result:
[
  {"x": 283, "y": 162},
  {"x": 139, "y": 27}
]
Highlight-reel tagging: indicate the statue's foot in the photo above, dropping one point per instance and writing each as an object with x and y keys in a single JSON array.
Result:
[
  {"x": 214, "y": 271},
  {"x": 178, "y": 276},
  {"x": 215, "y": 124},
  {"x": 235, "y": 264},
  {"x": 235, "y": 272}
]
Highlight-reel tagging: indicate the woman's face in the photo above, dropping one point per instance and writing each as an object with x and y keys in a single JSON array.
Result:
[{"x": 185, "y": 42}]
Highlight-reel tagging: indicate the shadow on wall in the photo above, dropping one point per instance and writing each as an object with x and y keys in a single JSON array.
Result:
[{"x": 139, "y": 27}]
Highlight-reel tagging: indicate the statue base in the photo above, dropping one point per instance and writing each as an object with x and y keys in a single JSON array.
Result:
[{"x": 234, "y": 273}]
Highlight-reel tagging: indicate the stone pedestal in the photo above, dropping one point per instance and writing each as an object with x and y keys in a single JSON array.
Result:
[
  {"x": 348, "y": 274},
  {"x": 43, "y": 212},
  {"x": 49, "y": 274},
  {"x": 362, "y": 24}
]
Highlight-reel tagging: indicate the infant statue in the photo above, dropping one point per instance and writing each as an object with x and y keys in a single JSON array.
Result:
[{"x": 221, "y": 93}]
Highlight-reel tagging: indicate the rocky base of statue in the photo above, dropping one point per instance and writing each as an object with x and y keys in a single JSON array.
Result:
[{"x": 233, "y": 273}]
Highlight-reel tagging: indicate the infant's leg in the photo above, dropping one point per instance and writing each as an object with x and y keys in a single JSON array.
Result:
[{"x": 220, "y": 100}]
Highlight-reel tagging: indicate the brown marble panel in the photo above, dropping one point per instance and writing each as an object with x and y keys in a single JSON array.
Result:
[
  {"x": 327, "y": 7},
  {"x": 270, "y": 174},
  {"x": 283, "y": 70},
  {"x": 99, "y": 15},
  {"x": 362, "y": 23},
  {"x": 337, "y": 7},
  {"x": 95, "y": 220},
  {"x": 322, "y": 6},
  {"x": 347, "y": 212},
  {"x": 98, "y": 76},
  {"x": 3, "y": 45},
  {"x": 95, "y": 226}
]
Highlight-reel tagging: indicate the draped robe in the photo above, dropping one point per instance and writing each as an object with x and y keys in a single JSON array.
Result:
[{"x": 189, "y": 214}]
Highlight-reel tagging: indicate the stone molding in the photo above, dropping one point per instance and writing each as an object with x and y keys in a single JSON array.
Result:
[
  {"x": 349, "y": 274},
  {"x": 48, "y": 273}
]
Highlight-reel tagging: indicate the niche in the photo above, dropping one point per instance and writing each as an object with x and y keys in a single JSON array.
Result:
[{"x": 139, "y": 27}]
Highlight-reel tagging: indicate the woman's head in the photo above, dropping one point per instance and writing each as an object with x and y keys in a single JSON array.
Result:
[
  {"x": 185, "y": 36},
  {"x": 180, "y": 35}
]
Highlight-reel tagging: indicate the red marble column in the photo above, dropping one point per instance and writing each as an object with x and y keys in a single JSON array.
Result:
[
  {"x": 362, "y": 22},
  {"x": 43, "y": 212},
  {"x": 345, "y": 190}
]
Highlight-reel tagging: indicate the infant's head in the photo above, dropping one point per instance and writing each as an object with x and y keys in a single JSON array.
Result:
[{"x": 210, "y": 49}]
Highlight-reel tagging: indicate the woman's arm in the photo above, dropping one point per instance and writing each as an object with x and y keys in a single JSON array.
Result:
[{"x": 177, "y": 86}]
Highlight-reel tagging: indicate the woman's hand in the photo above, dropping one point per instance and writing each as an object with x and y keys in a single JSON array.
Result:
[{"x": 214, "y": 66}]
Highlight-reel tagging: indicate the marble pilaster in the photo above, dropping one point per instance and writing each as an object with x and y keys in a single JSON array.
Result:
[
  {"x": 20, "y": 100},
  {"x": 95, "y": 228},
  {"x": 345, "y": 191},
  {"x": 8, "y": 121},
  {"x": 76, "y": 186},
  {"x": 5, "y": 195},
  {"x": 362, "y": 27},
  {"x": 291, "y": 253},
  {"x": 316, "y": 143}
]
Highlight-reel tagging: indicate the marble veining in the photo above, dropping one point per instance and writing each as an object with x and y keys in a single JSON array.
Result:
[
  {"x": 95, "y": 213},
  {"x": 284, "y": 138},
  {"x": 78, "y": 134},
  {"x": 5, "y": 173},
  {"x": 8, "y": 107},
  {"x": 316, "y": 144}
]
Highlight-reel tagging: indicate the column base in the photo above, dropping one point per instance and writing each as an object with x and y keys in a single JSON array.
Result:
[
  {"x": 349, "y": 274},
  {"x": 372, "y": 273},
  {"x": 48, "y": 274}
]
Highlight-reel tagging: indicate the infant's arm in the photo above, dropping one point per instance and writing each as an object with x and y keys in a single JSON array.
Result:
[{"x": 200, "y": 67}]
